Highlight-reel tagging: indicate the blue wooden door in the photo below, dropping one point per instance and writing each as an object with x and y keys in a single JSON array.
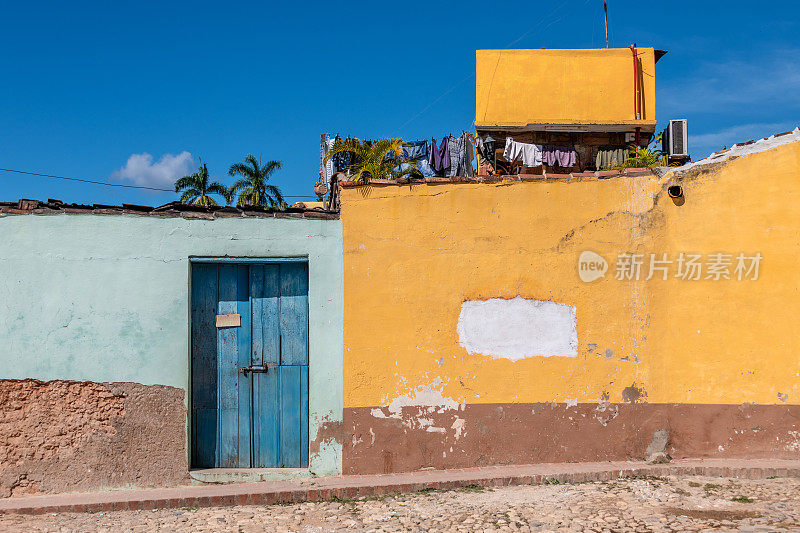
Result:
[{"x": 250, "y": 381}]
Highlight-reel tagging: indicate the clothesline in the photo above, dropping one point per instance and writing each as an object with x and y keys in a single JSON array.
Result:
[{"x": 454, "y": 156}]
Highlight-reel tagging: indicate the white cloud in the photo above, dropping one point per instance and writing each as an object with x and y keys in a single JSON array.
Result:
[
  {"x": 705, "y": 143},
  {"x": 140, "y": 169}
]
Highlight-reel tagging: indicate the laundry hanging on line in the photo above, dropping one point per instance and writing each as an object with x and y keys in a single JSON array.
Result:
[
  {"x": 559, "y": 156},
  {"x": 529, "y": 154},
  {"x": 460, "y": 149},
  {"x": 452, "y": 156},
  {"x": 610, "y": 156},
  {"x": 439, "y": 158},
  {"x": 328, "y": 169},
  {"x": 417, "y": 156}
]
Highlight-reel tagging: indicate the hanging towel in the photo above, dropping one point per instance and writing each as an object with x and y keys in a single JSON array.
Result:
[
  {"x": 530, "y": 154},
  {"x": 328, "y": 171},
  {"x": 464, "y": 155},
  {"x": 609, "y": 156},
  {"x": 417, "y": 152},
  {"x": 470, "y": 156},
  {"x": 439, "y": 158},
  {"x": 460, "y": 161},
  {"x": 559, "y": 156}
]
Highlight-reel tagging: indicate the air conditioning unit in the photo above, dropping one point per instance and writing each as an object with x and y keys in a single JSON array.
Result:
[{"x": 675, "y": 139}]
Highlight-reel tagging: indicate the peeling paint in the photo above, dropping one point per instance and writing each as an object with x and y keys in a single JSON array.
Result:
[
  {"x": 634, "y": 394},
  {"x": 416, "y": 410},
  {"x": 605, "y": 412}
]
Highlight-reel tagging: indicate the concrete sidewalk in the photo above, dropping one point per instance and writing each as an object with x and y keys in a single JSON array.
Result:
[{"x": 342, "y": 487}]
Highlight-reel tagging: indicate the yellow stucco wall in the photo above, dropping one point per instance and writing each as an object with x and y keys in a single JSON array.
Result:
[
  {"x": 413, "y": 254},
  {"x": 519, "y": 87}
]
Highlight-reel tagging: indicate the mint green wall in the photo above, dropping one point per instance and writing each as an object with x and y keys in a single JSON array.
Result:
[{"x": 106, "y": 298}]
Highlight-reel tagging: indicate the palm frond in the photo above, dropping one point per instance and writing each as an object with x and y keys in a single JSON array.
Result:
[
  {"x": 274, "y": 193},
  {"x": 229, "y": 195},
  {"x": 189, "y": 195},
  {"x": 370, "y": 160},
  {"x": 254, "y": 163},
  {"x": 239, "y": 185},
  {"x": 217, "y": 188},
  {"x": 245, "y": 197},
  {"x": 240, "y": 169},
  {"x": 643, "y": 157},
  {"x": 348, "y": 145},
  {"x": 271, "y": 167},
  {"x": 185, "y": 182},
  {"x": 205, "y": 201}
]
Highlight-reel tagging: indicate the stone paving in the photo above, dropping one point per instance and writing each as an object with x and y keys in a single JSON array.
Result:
[{"x": 673, "y": 503}]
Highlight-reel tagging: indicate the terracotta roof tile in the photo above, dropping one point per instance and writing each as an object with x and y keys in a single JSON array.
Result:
[{"x": 26, "y": 206}]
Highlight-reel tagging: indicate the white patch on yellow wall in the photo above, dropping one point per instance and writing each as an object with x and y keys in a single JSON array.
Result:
[{"x": 518, "y": 328}]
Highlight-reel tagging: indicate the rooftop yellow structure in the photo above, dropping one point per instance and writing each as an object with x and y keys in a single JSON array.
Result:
[{"x": 578, "y": 90}]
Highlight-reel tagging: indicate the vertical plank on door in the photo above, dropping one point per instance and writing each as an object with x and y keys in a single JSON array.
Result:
[
  {"x": 290, "y": 418},
  {"x": 304, "y": 416},
  {"x": 243, "y": 359},
  {"x": 228, "y": 370},
  {"x": 204, "y": 366},
  {"x": 265, "y": 292},
  {"x": 294, "y": 313},
  {"x": 266, "y": 423}
]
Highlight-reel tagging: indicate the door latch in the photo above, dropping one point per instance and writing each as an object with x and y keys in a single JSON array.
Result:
[{"x": 263, "y": 369}]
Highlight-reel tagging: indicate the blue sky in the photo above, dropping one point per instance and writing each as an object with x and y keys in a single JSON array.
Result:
[{"x": 89, "y": 88}]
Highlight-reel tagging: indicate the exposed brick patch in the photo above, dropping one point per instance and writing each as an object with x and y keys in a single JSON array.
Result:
[{"x": 59, "y": 436}]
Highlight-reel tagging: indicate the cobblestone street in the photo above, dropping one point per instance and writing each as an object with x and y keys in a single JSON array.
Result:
[{"x": 648, "y": 504}]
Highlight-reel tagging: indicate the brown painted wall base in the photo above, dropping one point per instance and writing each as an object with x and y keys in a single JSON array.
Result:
[
  {"x": 381, "y": 441},
  {"x": 59, "y": 436}
]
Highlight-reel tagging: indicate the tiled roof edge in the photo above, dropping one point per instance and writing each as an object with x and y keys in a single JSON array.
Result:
[
  {"x": 742, "y": 149},
  {"x": 577, "y": 176},
  {"x": 26, "y": 206}
]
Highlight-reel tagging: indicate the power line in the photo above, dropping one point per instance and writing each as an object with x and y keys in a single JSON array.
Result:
[
  {"x": 85, "y": 180},
  {"x": 451, "y": 89},
  {"x": 448, "y": 91},
  {"x": 110, "y": 184}
]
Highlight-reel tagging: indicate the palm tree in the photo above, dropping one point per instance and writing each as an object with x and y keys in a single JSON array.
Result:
[
  {"x": 370, "y": 159},
  {"x": 253, "y": 188},
  {"x": 230, "y": 194},
  {"x": 196, "y": 188}
]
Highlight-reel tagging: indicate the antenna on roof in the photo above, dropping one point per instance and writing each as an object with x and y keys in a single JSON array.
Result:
[{"x": 605, "y": 12}]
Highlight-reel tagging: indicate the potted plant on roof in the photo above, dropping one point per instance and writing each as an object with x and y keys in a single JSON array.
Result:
[
  {"x": 382, "y": 159},
  {"x": 320, "y": 189}
]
